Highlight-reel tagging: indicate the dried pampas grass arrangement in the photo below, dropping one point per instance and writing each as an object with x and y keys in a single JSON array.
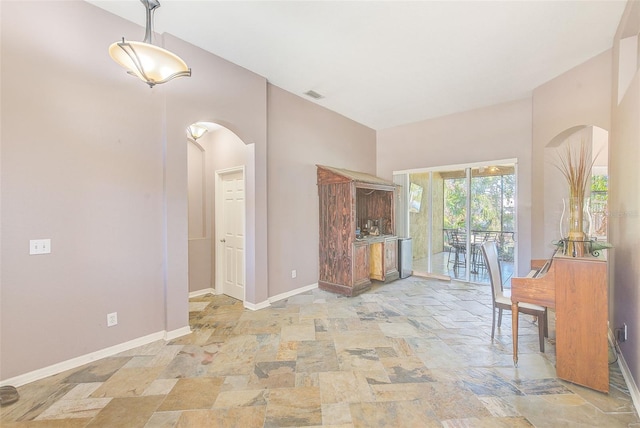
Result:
[{"x": 575, "y": 164}]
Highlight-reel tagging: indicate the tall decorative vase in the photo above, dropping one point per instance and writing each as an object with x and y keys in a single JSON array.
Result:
[{"x": 575, "y": 226}]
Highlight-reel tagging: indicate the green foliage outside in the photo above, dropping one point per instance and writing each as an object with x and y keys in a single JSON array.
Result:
[
  {"x": 454, "y": 203},
  {"x": 492, "y": 203},
  {"x": 599, "y": 188},
  {"x": 598, "y": 205}
]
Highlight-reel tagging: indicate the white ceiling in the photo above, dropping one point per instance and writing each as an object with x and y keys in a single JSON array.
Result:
[{"x": 387, "y": 63}]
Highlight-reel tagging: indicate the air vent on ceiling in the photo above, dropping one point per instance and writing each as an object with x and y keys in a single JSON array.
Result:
[{"x": 314, "y": 95}]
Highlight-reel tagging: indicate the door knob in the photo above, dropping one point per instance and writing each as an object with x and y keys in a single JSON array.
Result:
[{"x": 223, "y": 240}]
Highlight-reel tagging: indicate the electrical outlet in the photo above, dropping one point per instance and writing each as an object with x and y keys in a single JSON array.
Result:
[
  {"x": 112, "y": 319},
  {"x": 294, "y": 273},
  {"x": 622, "y": 333}
]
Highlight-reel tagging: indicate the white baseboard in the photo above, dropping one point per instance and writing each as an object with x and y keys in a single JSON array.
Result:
[
  {"x": 257, "y": 306},
  {"x": 202, "y": 292},
  {"x": 276, "y": 298},
  {"x": 292, "y": 293},
  {"x": 173, "y": 334},
  {"x": 260, "y": 305},
  {"x": 93, "y": 356},
  {"x": 632, "y": 386},
  {"x": 116, "y": 349}
]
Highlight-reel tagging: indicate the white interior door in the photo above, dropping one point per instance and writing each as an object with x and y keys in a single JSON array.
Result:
[{"x": 230, "y": 231}]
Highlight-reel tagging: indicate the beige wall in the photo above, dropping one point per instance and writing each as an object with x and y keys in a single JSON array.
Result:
[
  {"x": 84, "y": 175},
  {"x": 301, "y": 135},
  {"x": 97, "y": 161},
  {"x": 498, "y": 132},
  {"x": 578, "y": 98},
  {"x": 199, "y": 199},
  {"x": 624, "y": 195},
  {"x": 235, "y": 98}
]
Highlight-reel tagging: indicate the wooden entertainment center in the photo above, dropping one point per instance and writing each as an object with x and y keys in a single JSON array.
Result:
[{"x": 352, "y": 201}]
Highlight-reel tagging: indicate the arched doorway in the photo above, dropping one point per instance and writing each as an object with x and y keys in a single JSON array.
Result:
[{"x": 217, "y": 160}]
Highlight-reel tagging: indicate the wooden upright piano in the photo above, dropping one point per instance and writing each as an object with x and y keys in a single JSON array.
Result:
[{"x": 577, "y": 288}]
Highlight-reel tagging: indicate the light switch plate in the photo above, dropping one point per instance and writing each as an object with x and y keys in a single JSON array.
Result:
[{"x": 40, "y": 246}]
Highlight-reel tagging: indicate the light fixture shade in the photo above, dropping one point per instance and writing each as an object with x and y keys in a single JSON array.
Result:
[
  {"x": 196, "y": 131},
  {"x": 152, "y": 64}
]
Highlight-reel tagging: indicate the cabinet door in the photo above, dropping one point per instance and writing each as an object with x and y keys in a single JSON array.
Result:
[
  {"x": 376, "y": 260},
  {"x": 360, "y": 263},
  {"x": 390, "y": 256}
]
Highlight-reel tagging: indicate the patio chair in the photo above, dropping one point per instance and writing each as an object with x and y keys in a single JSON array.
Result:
[
  {"x": 477, "y": 260},
  {"x": 459, "y": 244}
]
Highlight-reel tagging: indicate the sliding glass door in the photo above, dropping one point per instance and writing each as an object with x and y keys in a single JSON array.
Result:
[
  {"x": 450, "y": 211},
  {"x": 455, "y": 225},
  {"x": 492, "y": 217}
]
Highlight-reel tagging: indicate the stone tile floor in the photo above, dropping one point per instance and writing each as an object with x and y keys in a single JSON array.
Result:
[{"x": 412, "y": 353}]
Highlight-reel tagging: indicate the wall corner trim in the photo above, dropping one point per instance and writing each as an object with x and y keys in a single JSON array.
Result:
[{"x": 257, "y": 306}]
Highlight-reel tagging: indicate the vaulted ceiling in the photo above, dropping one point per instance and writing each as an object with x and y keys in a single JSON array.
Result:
[{"x": 387, "y": 63}]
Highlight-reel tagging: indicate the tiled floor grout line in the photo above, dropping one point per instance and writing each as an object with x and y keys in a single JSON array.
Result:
[{"x": 413, "y": 352}]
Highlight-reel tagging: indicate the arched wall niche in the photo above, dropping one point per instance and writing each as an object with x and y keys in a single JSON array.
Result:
[
  {"x": 223, "y": 146},
  {"x": 555, "y": 184}
]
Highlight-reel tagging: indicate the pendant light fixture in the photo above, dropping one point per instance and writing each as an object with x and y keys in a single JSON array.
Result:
[
  {"x": 152, "y": 64},
  {"x": 196, "y": 131}
]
